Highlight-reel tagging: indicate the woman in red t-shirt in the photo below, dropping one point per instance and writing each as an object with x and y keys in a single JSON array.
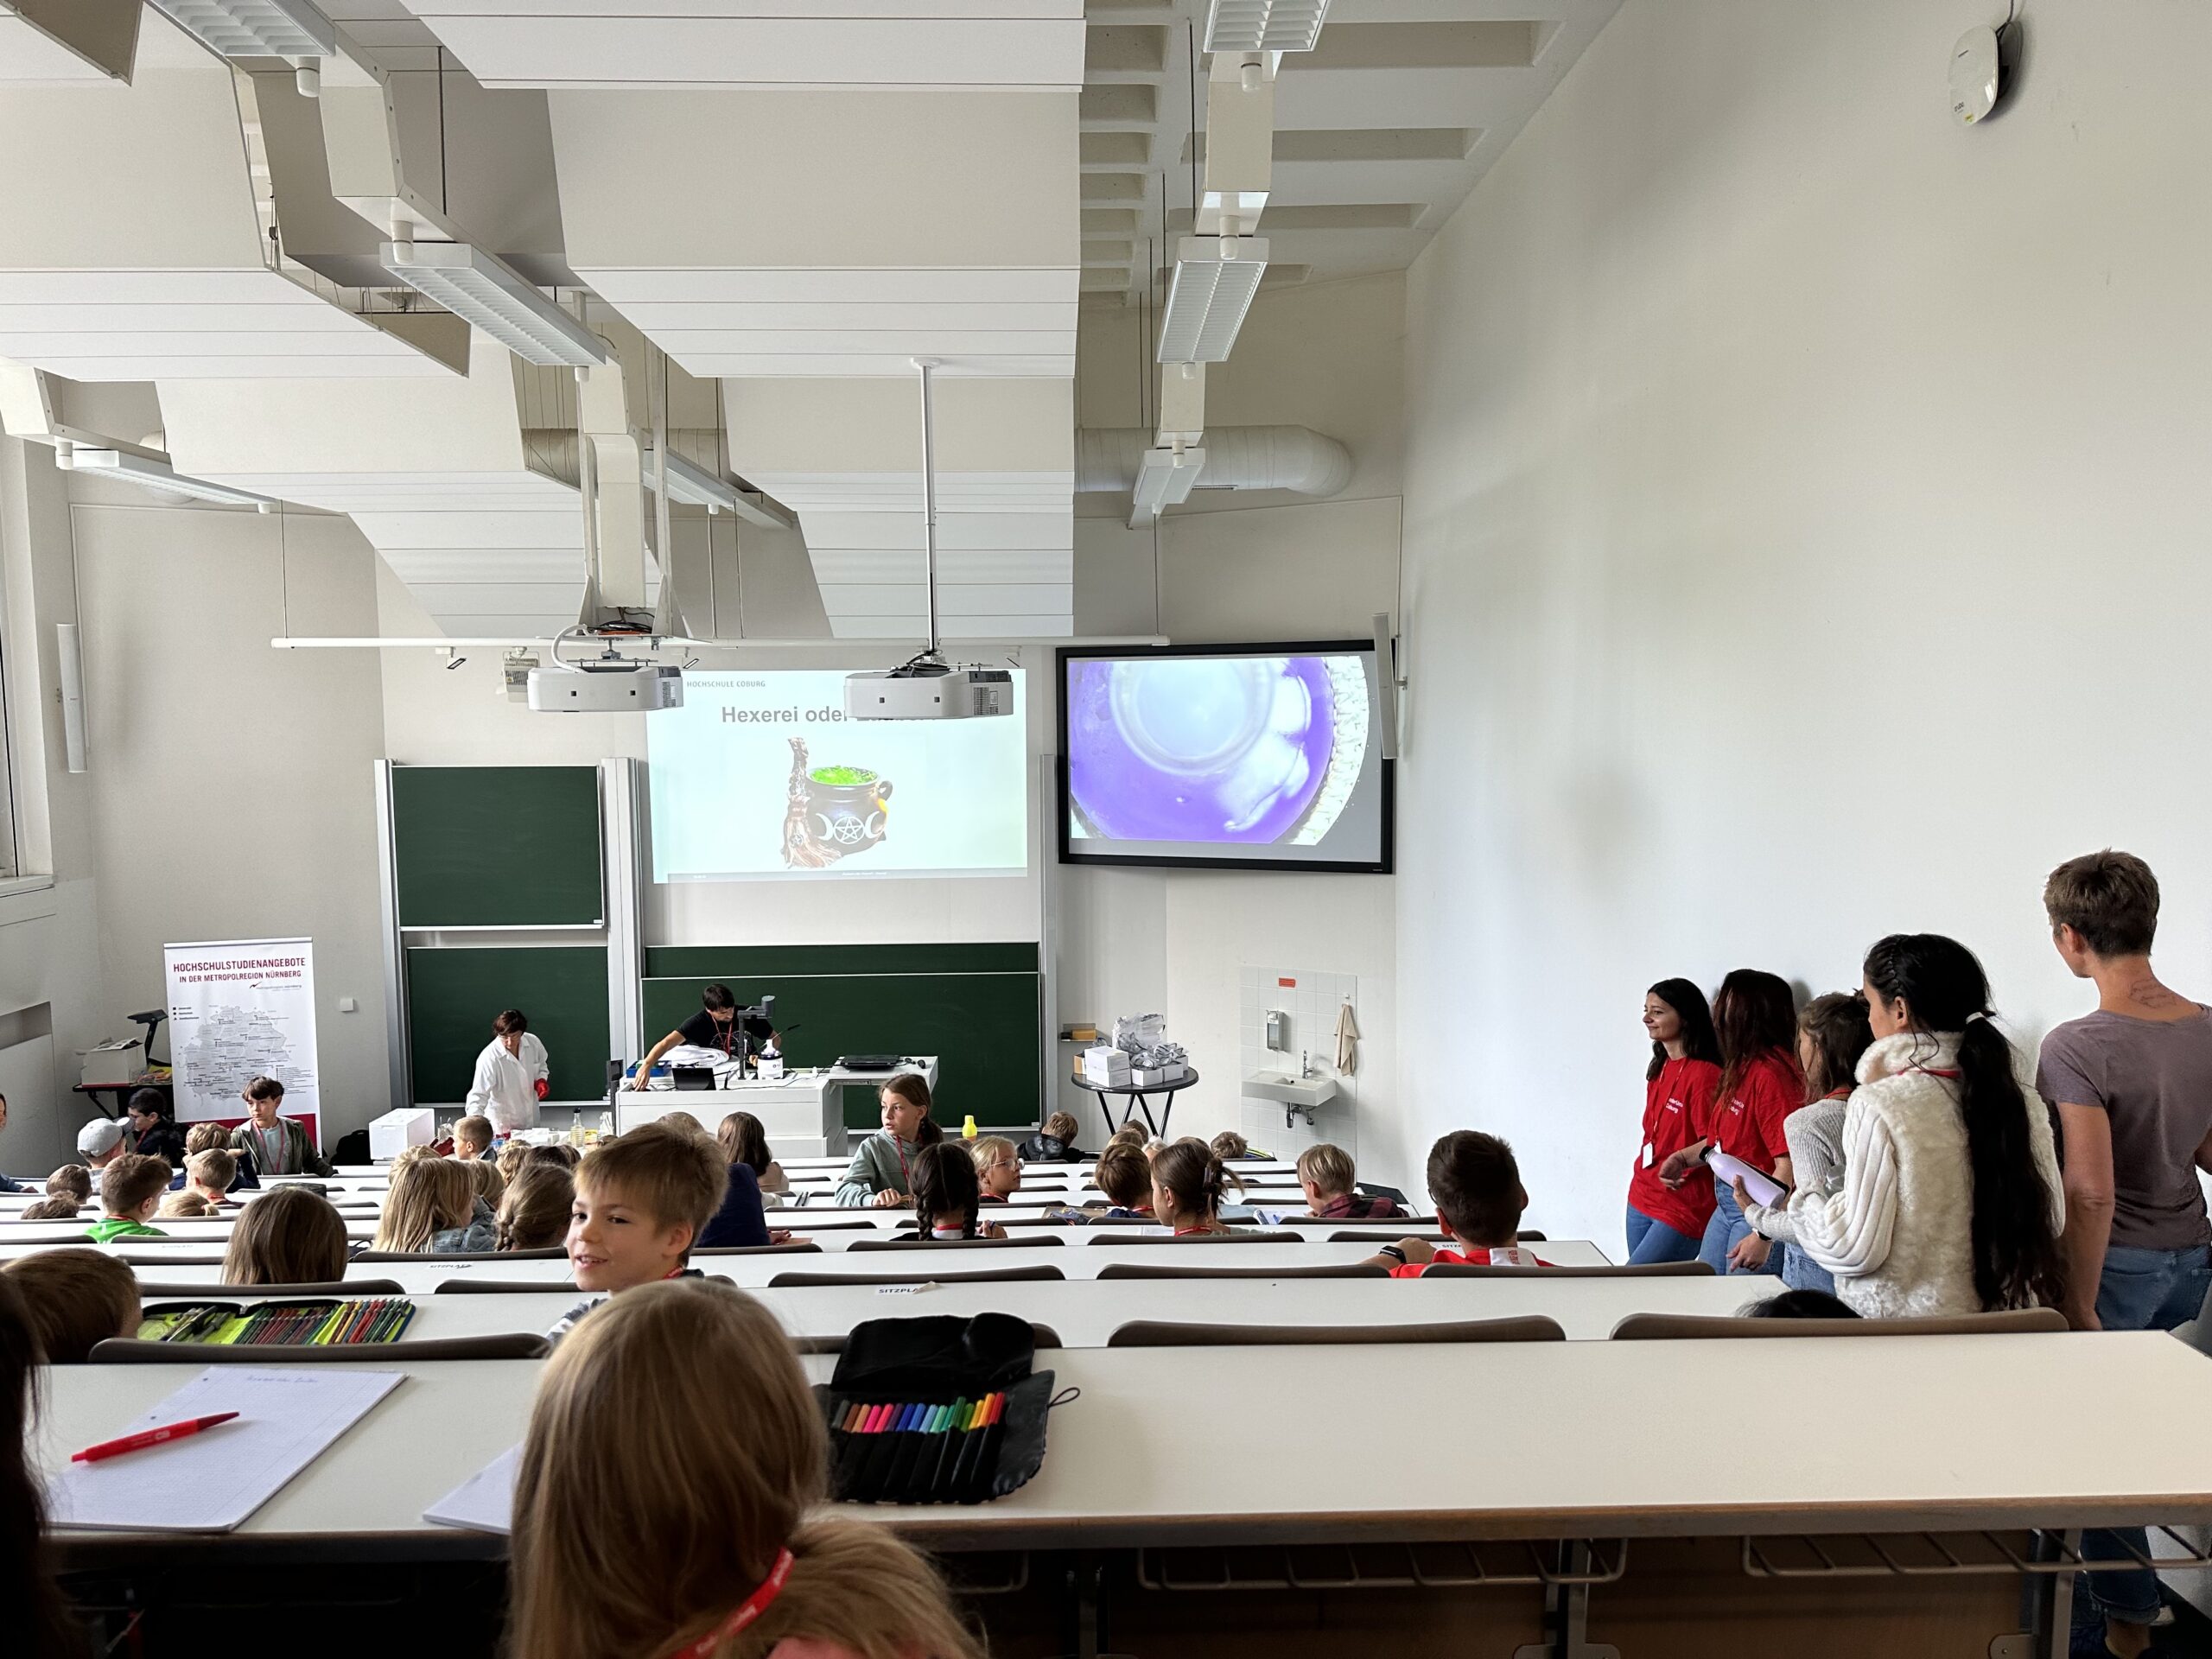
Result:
[
  {"x": 1666, "y": 1223},
  {"x": 1756, "y": 1018}
]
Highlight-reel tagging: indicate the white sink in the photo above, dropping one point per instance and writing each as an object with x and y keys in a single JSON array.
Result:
[{"x": 1291, "y": 1091}]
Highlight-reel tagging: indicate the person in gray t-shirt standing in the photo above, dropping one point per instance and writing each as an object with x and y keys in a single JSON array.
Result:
[{"x": 2133, "y": 1086}]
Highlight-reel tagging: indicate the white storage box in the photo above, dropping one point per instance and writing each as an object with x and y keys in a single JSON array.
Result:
[
  {"x": 396, "y": 1130},
  {"x": 1109, "y": 1065},
  {"x": 108, "y": 1064},
  {"x": 1147, "y": 1077}
]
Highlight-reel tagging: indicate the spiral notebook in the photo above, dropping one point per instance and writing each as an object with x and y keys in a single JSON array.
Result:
[{"x": 214, "y": 1481}]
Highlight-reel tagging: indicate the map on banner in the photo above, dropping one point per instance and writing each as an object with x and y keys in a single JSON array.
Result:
[{"x": 238, "y": 1011}]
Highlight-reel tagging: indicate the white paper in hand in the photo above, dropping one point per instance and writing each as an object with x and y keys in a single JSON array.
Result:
[
  {"x": 1763, "y": 1189},
  {"x": 486, "y": 1501},
  {"x": 213, "y": 1480}
]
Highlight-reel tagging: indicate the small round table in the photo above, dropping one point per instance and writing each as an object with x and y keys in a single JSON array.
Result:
[{"x": 1139, "y": 1096}]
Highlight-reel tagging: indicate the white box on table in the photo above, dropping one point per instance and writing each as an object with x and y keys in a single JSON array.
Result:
[
  {"x": 1109, "y": 1065},
  {"x": 400, "y": 1128},
  {"x": 1152, "y": 1077},
  {"x": 111, "y": 1062}
]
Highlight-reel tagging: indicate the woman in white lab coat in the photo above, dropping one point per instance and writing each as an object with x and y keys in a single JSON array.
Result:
[{"x": 511, "y": 1075}]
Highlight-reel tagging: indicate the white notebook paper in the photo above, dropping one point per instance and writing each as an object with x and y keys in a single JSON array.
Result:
[
  {"x": 1763, "y": 1189},
  {"x": 213, "y": 1480},
  {"x": 483, "y": 1503}
]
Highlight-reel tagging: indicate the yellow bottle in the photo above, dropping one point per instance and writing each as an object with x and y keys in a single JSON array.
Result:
[{"x": 968, "y": 1128}]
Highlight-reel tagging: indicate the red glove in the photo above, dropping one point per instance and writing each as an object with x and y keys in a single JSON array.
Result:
[{"x": 544, "y": 1089}]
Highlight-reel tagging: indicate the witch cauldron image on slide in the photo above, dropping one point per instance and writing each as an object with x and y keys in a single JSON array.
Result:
[{"x": 832, "y": 812}]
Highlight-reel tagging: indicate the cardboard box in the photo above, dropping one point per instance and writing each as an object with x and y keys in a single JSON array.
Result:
[
  {"x": 396, "y": 1130},
  {"x": 108, "y": 1063},
  {"x": 1147, "y": 1077},
  {"x": 1107, "y": 1065}
]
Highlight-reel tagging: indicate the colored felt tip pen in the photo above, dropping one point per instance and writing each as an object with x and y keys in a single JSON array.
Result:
[{"x": 145, "y": 1438}]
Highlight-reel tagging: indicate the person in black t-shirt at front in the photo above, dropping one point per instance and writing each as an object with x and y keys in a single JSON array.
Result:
[{"x": 715, "y": 1026}]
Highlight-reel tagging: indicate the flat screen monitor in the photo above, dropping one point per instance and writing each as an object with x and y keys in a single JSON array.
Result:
[
  {"x": 760, "y": 774},
  {"x": 1224, "y": 756}
]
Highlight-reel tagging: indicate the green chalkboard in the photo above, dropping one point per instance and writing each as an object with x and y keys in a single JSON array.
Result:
[
  {"x": 497, "y": 846},
  {"x": 453, "y": 993},
  {"x": 977, "y": 1007}
]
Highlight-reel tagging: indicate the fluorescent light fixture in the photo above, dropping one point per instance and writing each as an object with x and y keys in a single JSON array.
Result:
[
  {"x": 1214, "y": 282},
  {"x": 1264, "y": 25},
  {"x": 481, "y": 291},
  {"x": 160, "y": 475},
  {"x": 695, "y": 486},
  {"x": 1165, "y": 479},
  {"x": 255, "y": 29}
]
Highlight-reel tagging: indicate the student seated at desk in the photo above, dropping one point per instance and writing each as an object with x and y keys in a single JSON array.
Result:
[
  {"x": 678, "y": 1422},
  {"x": 432, "y": 1206},
  {"x": 1188, "y": 1183},
  {"x": 213, "y": 1137},
  {"x": 1329, "y": 1178},
  {"x": 71, "y": 1181},
  {"x": 63, "y": 1208},
  {"x": 130, "y": 1191},
  {"x": 998, "y": 1169},
  {"x": 1476, "y": 1186},
  {"x": 1124, "y": 1175},
  {"x": 485, "y": 1179},
  {"x": 289, "y": 1236},
  {"x": 186, "y": 1206},
  {"x": 1799, "y": 1303},
  {"x": 510, "y": 1159},
  {"x": 947, "y": 1194},
  {"x": 152, "y": 1132},
  {"x": 278, "y": 1144},
  {"x": 40, "y": 1621},
  {"x": 642, "y": 1201},
  {"x": 210, "y": 1173},
  {"x": 1055, "y": 1142},
  {"x": 746, "y": 1141},
  {"x": 534, "y": 1213},
  {"x": 471, "y": 1137},
  {"x": 882, "y": 1170},
  {"x": 76, "y": 1298}
]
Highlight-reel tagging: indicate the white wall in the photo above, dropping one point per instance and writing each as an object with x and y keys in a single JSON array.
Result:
[
  {"x": 1805, "y": 507},
  {"x": 1237, "y": 566}
]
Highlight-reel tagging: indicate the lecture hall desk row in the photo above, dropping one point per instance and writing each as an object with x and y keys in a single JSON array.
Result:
[{"x": 1324, "y": 1479}]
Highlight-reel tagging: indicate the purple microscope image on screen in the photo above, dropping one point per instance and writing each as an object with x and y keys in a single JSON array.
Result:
[{"x": 1227, "y": 752}]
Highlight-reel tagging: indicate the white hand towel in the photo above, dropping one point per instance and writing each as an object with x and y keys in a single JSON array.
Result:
[{"x": 1347, "y": 1039}]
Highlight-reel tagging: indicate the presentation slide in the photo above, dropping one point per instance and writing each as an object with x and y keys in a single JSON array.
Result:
[
  {"x": 1233, "y": 755},
  {"x": 759, "y": 774}
]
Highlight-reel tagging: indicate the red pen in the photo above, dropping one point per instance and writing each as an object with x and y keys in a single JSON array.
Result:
[{"x": 149, "y": 1437}]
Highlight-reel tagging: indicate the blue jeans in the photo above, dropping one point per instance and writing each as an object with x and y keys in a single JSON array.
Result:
[
  {"x": 1726, "y": 1229},
  {"x": 1800, "y": 1272},
  {"x": 2140, "y": 1290},
  {"x": 1654, "y": 1241}
]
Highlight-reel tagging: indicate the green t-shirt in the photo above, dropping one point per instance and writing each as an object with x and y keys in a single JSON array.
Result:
[{"x": 109, "y": 1228}]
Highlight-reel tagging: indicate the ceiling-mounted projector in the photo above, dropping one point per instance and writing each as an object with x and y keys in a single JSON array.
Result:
[
  {"x": 928, "y": 689},
  {"x": 620, "y": 686}
]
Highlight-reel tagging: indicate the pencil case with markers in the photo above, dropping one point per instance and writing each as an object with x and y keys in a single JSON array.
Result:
[
  {"x": 318, "y": 1322},
  {"x": 937, "y": 1410}
]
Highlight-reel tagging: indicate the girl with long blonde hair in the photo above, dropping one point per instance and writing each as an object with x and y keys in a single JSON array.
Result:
[
  {"x": 428, "y": 1196},
  {"x": 669, "y": 1502}
]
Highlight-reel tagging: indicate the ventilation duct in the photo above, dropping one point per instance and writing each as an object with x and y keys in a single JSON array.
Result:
[{"x": 1293, "y": 458}]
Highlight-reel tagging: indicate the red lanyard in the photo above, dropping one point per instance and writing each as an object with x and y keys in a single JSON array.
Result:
[{"x": 748, "y": 1611}]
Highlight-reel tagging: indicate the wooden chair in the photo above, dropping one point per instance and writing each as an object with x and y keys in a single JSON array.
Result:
[
  {"x": 512, "y": 1344},
  {"x": 989, "y": 1275},
  {"x": 1193, "y": 1270},
  {"x": 1113, "y": 1239},
  {"x": 1163, "y": 1333},
  {"x": 218, "y": 1293},
  {"x": 1675, "y": 1327},
  {"x": 1010, "y": 1243},
  {"x": 1611, "y": 1270}
]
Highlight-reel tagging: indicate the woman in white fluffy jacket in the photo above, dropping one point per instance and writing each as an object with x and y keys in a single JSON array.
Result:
[{"x": 1950, "y": 1201}]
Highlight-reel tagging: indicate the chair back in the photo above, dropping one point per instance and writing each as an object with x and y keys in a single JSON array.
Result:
[
  {"x": 1164, "y": 1333},
  {"x": 1611, "y": 1270},
  {"x": 1383, "y": 1232},
  {"x": 1193, "y": 1270},
  {"x": 179, "y": 1259},
  {"x": 1024, "y": 1243},
  {"x": 1041, "y": 1336},
  {"x": 504, "y": 1288},
  {"x": 150, "y": 1291},
  {"x": 1108, "y": 1240},
  {"x": 989, "y": 1275},
  {"x": 512, "y": 1344},
  {"x": 1676, "y": 1327},
  {"x": 551, "y": 1252},
  {"x": 796, "y": 1248}
]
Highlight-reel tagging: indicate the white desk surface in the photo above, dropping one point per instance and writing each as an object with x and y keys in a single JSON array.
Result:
[
  {"x": 1084, "y": 1313},
  {"x": 1075, "y": 1260},
  {"x": 1967, "y": 1438}
]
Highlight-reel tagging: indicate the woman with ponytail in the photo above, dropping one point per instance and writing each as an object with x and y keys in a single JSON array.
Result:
[
  {"x": 1754, "y": 1017},
  {"x": 668, "y": 1502},
  {"x": 1188, "y": 1186},
  {"x": 1666, "y": 1223},
  {"x": 1949, "y": 1201}
]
